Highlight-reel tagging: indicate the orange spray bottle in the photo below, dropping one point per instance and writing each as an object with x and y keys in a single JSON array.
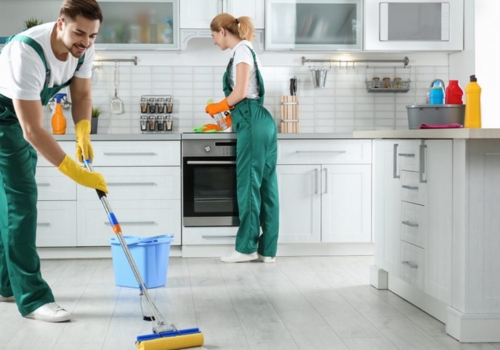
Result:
[{"x": 58, "y": 121}]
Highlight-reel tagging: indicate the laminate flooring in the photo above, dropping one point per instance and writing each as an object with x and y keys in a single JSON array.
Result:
[{"x": 296, "y": 303}]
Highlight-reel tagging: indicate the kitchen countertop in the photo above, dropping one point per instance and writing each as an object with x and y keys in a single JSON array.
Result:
[
  {"x": 124, "y": 137},
  {"x": 429, "y": 134}
]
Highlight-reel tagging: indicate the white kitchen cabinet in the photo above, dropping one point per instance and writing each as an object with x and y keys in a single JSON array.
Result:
[
  {"x": 197, "y": 14},
  {"x": 325, "y": 191}
]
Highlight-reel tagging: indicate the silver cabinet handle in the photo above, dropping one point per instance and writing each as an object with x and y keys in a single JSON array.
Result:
[
  {"x": 395, "y": 162},
  {"x": 128, "y": 154},
  {"x": 132, "y": 184},
  {"x": 134, "y": 223},
  {"x": 43, "y": 184},
  {"x": 43, "y": 224},
  {"x": 407, "y": 223},
  {"x": 213, "y": 237},
  {"x": 316, "y": 187},
  {"x": 421, "y": 168},
  {"x": 215, "y": 162},
  {"x": 326, "y": 180},
  {"x": 334, "y": 152},
  {"x": 408, "y": 187},
  {"x": 407, "y": 155},
  {"x": 410, "y": 264}
]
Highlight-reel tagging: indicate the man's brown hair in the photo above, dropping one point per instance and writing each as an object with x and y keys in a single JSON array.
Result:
[{"x": 86, "y": 8}]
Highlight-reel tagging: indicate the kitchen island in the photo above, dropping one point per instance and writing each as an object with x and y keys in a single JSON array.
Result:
[{"x": 436, "y": 224}]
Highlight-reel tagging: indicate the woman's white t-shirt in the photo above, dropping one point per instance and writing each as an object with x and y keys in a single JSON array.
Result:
[
  {"x": 22, "y": 73},
  {"x": 242, "y": 54}
]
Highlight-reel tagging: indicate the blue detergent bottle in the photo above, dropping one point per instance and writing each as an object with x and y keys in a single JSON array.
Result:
[{"x": 436, "y": 95}]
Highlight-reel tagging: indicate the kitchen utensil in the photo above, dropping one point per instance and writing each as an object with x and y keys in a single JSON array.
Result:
[
  {"x": 435, "y": 114},
  {"x": 319, "y": 77},
  {"x": 116, "y": 102},
  {"x": 293, "y": 86}
]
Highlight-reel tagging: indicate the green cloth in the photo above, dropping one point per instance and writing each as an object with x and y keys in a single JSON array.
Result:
[
  {"x": 19, "y": 262},
  {"x": 256, "y": 158}
]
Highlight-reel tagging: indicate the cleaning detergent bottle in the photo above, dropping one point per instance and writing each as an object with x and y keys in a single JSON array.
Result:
[
  {"x": 473, "y": 104},
  {"x": 436, "y": 94},
  {"x": 454, "y": 93},
  {"x": 58, "y": 121}
]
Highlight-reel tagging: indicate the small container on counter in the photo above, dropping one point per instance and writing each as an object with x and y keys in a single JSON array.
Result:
[
  {"x": 161, "y": 105},
  {"x": 144, "y": 123},
  {"x": 152, "y": 123},
  {"x": 169, "y": 123},
  {"x": 144, "y": 105},
  {"x": 169, "y": 105},
  {"x": 152, "y": 105}
]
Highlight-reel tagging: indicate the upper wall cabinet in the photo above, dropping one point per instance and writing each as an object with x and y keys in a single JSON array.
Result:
[
  {"x": 197, "y": 14},
  {"x": 314, "y": 25},
  {"x": 138, "y": 25},
  {"x": 414, "y": 25}
]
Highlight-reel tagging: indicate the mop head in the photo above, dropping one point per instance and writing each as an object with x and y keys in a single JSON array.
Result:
[{"x": 173, "y": 340}]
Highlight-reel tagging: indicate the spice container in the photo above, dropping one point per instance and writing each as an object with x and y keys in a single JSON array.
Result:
[
  {"x": 160, "y": 105},
  {"x": 169, "y": 105},
  {"x": 144, "y": 123},
  {"x": 144, "y": 105},
  {"x": 376, "y": 82},
  {"x": 386, "y": 83},
  {"x": 397, "y": 83},
  {"x": 152, "y": 105},
  {"x": 152, "y": 123},
  {"x": 160, "y": 122},
  {"x": 169, "y": 123}
]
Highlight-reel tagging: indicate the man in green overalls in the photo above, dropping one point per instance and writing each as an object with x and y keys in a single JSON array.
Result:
[
  {"x": 256, "y": 148},
  {"x": 34, "y": 65}
]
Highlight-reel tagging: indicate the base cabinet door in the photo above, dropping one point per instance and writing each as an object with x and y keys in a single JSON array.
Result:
[
  {"x": 300, "y": 203},
  {"x": 55, "y": 225},
  {"x": 346, "y": 203}
]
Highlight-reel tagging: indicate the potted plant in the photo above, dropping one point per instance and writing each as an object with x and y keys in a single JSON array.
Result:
[
  {"x": 95, "y": 115},
  {"x": 33, "y": 21}
]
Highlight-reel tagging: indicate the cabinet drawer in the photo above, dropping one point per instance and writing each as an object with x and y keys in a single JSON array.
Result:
[
  {"x": 137, "y": 153},
  {"x": 412, "y": 265},
  {"x": 68, "y": 147},
  {"x": 413, "y": 224},
  {"x": 324, "y": 152},
  {"x": 412, "y": 190},
  {"x": 209, "y": 235},
  {"x": 409, "y": 155},
  {"x": 56, "y": 224},
  {"x": 137, "y": 183},
  {"x": 54, "y": 185},
  {"x": 136, "y": 218}
]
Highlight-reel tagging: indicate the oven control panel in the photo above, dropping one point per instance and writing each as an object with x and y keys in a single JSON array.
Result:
[{"x": 209, "y": 148}]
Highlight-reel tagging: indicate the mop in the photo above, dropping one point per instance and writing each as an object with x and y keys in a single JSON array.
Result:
[{"x": 165, "y": 336}]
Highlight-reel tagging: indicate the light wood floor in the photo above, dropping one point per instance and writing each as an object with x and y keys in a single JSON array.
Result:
[{"x": 298, "y": 303}]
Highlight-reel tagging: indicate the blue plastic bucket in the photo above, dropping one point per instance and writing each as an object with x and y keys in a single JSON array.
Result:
[{"x": 150, "y": 255}]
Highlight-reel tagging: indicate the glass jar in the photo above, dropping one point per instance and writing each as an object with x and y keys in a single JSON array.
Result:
[
  {"x": 160, "y": 123},
  {"x": 386, "y": 83},
  {"x": 375, "y": 82},
  {"x": 152, "y": 123},
  {"x": 144, "y": 105},
  {"x": 169, "y": 104},
  {"x": 169, "y": 123},
  {"x": 160, "y": 105},
  {"x": 144, "y": 123},
  {"x": 152, "y": 105},
  {"x": 397, "y": 83}
]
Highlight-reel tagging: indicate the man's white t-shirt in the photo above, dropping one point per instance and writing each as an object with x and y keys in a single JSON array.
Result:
[
  {"x": 242, "y": 54},
  {"x": 22, "y": 72}
]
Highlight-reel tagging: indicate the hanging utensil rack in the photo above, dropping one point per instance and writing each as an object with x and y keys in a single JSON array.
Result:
[
  {"x": 133, "y": 60},
  {"x": 404, "y": 61}
]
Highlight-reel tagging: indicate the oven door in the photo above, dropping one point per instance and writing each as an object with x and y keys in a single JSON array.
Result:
[{"x": 209, "y": 191}]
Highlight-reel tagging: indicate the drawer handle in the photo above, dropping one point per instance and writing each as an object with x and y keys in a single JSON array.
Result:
[
  {"x": 407, "y": 155},
  {"x": 214, "y": 162},
  {"x": 334, "y": 152},
  {"x": 128, "y": 154},
  {"x": 212, "y": 237},
  {"x": 43, "y": 224},
  {"x": 408, "y": 187},
  {"x": 132, "y": 184},
  {"x": 43, "y": 184},
  {"x": 135, "y": 223},
  {"x": 407, "y": 223},
  {"x": 410, "y": 264}
]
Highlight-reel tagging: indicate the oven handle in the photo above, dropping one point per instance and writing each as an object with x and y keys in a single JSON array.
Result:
[{"x": 216, "y": 162}]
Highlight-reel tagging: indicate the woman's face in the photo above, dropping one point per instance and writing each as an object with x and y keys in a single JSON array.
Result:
[{"x": 220, "y": 38}]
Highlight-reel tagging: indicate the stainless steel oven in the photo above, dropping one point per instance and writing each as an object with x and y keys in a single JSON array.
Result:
[{"x": 209, "y": 182}]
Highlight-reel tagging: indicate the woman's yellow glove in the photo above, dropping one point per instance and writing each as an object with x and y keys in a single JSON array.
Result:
[
  {"x": 214, "y": 108},
  {"x": 71, "y": 169},
  {"x": 83, "y": 146}
]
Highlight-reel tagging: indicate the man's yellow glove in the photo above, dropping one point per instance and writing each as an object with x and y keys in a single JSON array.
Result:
[
  {"x": 71, "y": 169},
  {"x": 214, "y": 108},
  {"x": 83, "y": 146}
]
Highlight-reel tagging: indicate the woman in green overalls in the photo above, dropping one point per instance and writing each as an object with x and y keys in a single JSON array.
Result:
[
  {"x": 256, "y": 148},
  {"x": 34, "y": 65}
]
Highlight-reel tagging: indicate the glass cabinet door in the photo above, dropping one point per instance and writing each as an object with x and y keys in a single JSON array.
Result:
[
  {"x": 314, "y": 24},
  {"x": 139, "y": 25}
]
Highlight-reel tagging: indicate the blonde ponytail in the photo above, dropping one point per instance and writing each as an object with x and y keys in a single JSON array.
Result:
[{"x": 241, "y": 27}]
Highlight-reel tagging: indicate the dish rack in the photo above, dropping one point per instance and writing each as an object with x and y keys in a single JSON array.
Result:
[{"x": 392, "y": 86}]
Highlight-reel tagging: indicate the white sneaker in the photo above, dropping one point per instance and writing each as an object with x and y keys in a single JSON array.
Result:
[
  {"x": 50, "y": 312},
  {"x": 267, "y": 259},
  {"x": 236, "y": 257},
  {"x": 6, "y": 300}
]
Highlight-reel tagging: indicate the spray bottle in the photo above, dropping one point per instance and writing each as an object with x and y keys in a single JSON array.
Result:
[{"x": 58, "y": 121}]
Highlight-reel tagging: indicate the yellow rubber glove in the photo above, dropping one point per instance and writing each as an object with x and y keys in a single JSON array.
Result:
[
  {"x": 71, "y": 169},
  {"x": 215, "y": 108},
  {"x": 83, "y": 146}
]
